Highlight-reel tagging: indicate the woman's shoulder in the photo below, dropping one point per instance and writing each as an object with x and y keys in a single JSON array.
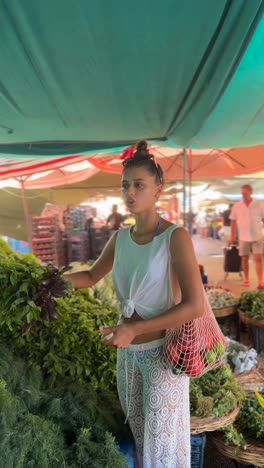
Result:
[
  {"x": 123, "y": 233},
  {"x": 169, "y": 227},
  {"x": 180, "y": 239}
]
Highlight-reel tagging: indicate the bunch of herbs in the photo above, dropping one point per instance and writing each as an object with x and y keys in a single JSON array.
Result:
[
  {"x": 216, "y": 393},
  {"x": 252, "y": 302}
]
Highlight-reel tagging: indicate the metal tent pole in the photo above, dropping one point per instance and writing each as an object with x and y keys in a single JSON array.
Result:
[
  {"x": 190, "y": 219},
  {"x": 184, "y": 155},
  {"x": 26, "y": 212}
]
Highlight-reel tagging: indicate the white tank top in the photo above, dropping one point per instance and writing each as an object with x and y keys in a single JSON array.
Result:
[{"x": 141, "y": 274}]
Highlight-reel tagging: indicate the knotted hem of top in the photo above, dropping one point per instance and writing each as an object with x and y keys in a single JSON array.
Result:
[{"x": 128, "y": 308}]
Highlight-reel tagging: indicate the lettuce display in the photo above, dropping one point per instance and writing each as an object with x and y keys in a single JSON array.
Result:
[{"x": 70, "y": 347}]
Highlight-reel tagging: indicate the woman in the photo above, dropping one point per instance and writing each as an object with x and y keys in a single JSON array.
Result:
[{"x": 149, "y": 261}]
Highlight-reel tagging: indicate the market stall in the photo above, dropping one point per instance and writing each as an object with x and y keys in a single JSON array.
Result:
[
  {"x": 59, "y": 98},
  {"x": 50, "y": 373},
  {"x": 27, "y": 185}
]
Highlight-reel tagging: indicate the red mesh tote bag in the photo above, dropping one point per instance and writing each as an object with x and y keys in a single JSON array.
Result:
[{"x": 197, "y": 346}]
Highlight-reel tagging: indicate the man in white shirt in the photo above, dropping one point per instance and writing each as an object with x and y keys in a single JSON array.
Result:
[{"x": 247, "y": 216}]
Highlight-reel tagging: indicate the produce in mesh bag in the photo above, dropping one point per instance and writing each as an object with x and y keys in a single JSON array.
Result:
[
  {"x": 239, "y": 357},
  {"x": 197, "y": 346}
]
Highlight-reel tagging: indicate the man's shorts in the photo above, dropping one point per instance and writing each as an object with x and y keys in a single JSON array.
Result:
[{"x": 245, "y": 248}]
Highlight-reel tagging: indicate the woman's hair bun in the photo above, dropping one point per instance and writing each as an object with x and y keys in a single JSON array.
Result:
[
  {"x": 142, "y": 148},
  {"x": 143, "y": 158}
]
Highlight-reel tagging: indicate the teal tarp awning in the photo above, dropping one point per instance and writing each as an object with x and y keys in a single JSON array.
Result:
[
  {"x": 107, "y": 73},
  {"x": 238, "y": 118}
]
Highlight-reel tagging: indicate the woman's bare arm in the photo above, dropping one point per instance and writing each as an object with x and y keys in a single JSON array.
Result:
[{"x": 100, "y": 268}]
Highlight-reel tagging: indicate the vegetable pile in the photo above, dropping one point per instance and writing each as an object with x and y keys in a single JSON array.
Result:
[
  {"x": 217, "y": 393},
  {"x": 239, "y": 357},
  {"x": 57, "y": 379},
  {"x": 61, "y": 390},
  {"x": 28, "y": 290},
  {"x": 219, "y": 298},
  {"x": 104, "y": 289},
  {"x": 252, "y": 302},
  {"x": 67, "y": 425},
  {"x": 248, "y": 425},
  {"x": 4, "y": 248},
  {"x": 69, "y": 347}
]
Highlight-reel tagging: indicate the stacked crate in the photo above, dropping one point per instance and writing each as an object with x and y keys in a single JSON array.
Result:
[
  {"x": 79, "y": 218},
  {"x": 47, "y": 240},
  {"x": 68, "y": 219},
  {"x": 98, "y": 237},
  {"x": 74, "y": 219},
  {"x": 77, "y": 246}
]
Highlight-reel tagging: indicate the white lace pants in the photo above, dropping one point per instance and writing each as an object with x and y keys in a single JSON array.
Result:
[{"x": 156, "y": 403}]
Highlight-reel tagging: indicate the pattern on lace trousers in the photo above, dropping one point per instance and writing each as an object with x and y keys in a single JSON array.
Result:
[{"x": 158, "y": 401}]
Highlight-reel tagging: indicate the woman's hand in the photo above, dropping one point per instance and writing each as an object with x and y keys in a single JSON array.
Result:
[{"x": 120, "y": 336}]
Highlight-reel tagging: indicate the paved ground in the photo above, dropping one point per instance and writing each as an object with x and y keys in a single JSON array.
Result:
[{"x": 210, "y": 254}]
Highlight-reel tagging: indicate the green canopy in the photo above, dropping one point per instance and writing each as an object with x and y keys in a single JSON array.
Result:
[
  {"x": 238, "y": 119},
  {"x": 102, "y": 74}
]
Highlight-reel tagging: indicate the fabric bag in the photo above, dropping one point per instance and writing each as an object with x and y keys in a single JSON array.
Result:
[{"x": 197, "y": 346}]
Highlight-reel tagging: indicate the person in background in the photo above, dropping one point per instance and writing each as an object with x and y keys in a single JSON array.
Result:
[
  {"x": 247, "y": 216},
  {"x": 226, "y": 229},
  {"x": 190, "y": 218},
  {"x": 202, "y": 223},
  {"x": 114, "y": 220},
  {"x": 173, "y": 209},
  {"x": 129, "y": 220}
]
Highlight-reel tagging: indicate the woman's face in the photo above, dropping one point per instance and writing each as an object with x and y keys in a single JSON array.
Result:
[{"x": 139, "y": 189}]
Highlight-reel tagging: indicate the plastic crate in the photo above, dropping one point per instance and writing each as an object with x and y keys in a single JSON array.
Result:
[
  {"x": 198, "y": 442},
  {"x": 242, "y": 465},
  {"x": 127, "y": 448},
  {"x": 98, "y": 237},
  {"x": 257, "y": 335},
  {"x": 77, "y": 236},
  {"x": 19, "y": 245}
]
